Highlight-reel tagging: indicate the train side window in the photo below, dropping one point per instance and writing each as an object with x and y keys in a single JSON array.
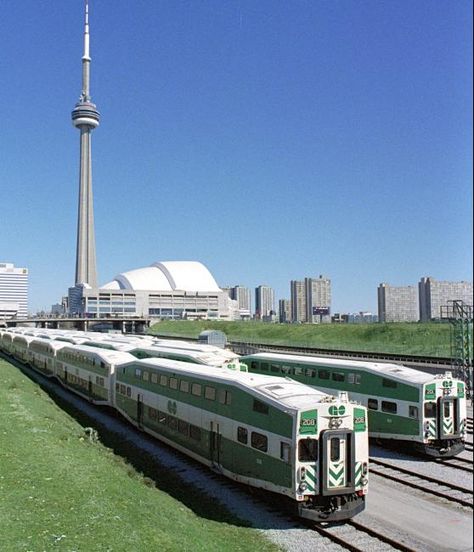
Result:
[
  {"x": 389, "y": 383},
  {"x": 307, "y": 450},
  {"x": 254, "y": 365},
  {"x": 285, "y": 450},
  {"x": 389, "y": 407},
  {"x": 430, "y": 410},
  {"x": 298, "y": 371},
  {"x": 264, "y": 367},
  {"x": 173, "y": 383},
  {"x": 184, "y": 386},
  {"x": 274, "y": 368},
  {"x": 154, "y": 378},
  {"x": 286, "y": 370},
  {"x": 163, "y": 381},
  {"x": 225, "y": 397},
  {"x": 146, "y": 376},
  {"x": 335, "y": 449},
  {"x": 354, "y": 379},
  {"x": 259, "y": 441},
  {"x": 138, "y": 373},
  {"x": 242, "y": 435},
  {"x": 173, "y": 423},
  {"x": 183, "y": 427},
  {"x": 196, "y": 389},
  {"x": 323, "y": 374},
  {"x": 210, "y": 393},
  {"x": 413, "y": 412},
  {"x": 195, "y": 432},
  {"x": 129, "y": 391},
  {"x": 338, "y": 376},
  {"x": 311, "y": 373},
  {"x": 373, "y": 404},
  {"x": 259, "y": 406}
]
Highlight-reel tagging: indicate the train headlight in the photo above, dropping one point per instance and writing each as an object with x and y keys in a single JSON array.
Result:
[
  {"x": 333, "y": 423},
  {"x": 365, "y": 468},
  {"x": 364, "y": 481},
  {"x": 302, "y": 487}
]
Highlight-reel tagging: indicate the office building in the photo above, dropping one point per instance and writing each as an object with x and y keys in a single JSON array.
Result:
[
  {"x": 433, "y": 295},
  {"x": 284, "y": 311},
  {"x": 397, "y": 304},
  {"x": 318, "y": 300},
  {"x": 298, "y": 301},
  {"x": 264, "y": 302},
  {"x": 243, "y": 297},
  {"x": 13, "y": 291}
]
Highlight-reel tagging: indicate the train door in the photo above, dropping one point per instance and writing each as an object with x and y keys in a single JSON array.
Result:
[
  {"x": 448, "y": 417},
  {"x": 337, "y": 462},
  {"x": 140, "y": 410},
  {"x": 215, "y": 445}
]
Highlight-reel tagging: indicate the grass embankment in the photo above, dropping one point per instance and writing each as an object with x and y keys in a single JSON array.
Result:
[
  {"x": 404, "y": 338},
  {"x": 61, "y": 492}
]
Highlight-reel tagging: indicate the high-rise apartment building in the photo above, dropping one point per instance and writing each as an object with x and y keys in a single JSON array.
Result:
[
  {"x": 298, "y": 301},
  {"x": 243, "y": 297},
  {"x": 433, "y": 295},
  {"x": 264, "y": 302},
  {"x": 318, "y": 300},
  {"x": 284, "y": 311},
  {"x": 397, "y": 304},
  {"x": 13, "y": 291}
]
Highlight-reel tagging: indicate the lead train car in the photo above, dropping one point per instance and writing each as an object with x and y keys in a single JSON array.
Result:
[
  {"x": 274, "y": 434},
  {"x": 403, "y": 404}
]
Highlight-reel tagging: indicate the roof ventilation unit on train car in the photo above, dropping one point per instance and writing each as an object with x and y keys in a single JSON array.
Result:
[{"x": 343, "y": 396}]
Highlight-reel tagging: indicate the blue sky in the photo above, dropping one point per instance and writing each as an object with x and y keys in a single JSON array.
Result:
[{"x": 270, "y": 140}]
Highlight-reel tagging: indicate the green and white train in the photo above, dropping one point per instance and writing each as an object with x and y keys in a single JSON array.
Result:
[
  {"x": 266, "y": 432},
  {"x": 404, "y": 404}
]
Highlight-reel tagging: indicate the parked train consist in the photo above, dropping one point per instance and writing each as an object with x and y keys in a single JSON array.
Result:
[
  {"x": 403, "y": 404},
  {"x": 266, "y": 432}
]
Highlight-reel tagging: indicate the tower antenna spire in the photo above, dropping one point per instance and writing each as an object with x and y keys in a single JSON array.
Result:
[{"x": 85, "y": 117}]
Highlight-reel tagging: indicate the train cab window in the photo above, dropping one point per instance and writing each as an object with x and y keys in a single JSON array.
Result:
[
  {"x": 163, "y": 381},
  {"x": 210, "y": 393},
  {"x": 196, "y": 389},
  {"x": 225, "y": 397},
  {"x": 373, "y": 404},
  {"x": 430, "y": 410},
  {"x": 413, "y": 412},
  {"x": 264, "y": 367},
  {"x": 274, "y": 368},
  {"x": 259, "y": 441},
  {"x": 389, "y": 407},
  {"x": 173, "y": 383},
  {"x": 308, "y": 450},
  {"x": 338, "y": 376},
  {"x": 285, "y": 451},
  {"x": 388, "y": 383},
  {"x": 335, "y": 449},
  {"x": 184, "y": 386},
  {"x": 323, "y": 374},
  {"x": 242, "y": 435},
  {"x": 259, "y": 406}
]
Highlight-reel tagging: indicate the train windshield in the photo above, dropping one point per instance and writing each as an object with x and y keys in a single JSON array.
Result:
[
  {"x": 430, "y": 410},
  {"x": 308, "y": 450}
]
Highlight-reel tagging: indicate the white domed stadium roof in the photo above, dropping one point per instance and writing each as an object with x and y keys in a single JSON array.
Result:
[{"x": 188, "y": 276}]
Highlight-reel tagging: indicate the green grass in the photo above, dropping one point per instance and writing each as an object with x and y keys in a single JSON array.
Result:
[
  {"x": 428, "y": 339},
  {"x": 60, "y": 491}
]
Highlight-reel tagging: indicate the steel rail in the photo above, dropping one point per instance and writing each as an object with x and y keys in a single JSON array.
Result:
[{"x": 422, "y": 477}]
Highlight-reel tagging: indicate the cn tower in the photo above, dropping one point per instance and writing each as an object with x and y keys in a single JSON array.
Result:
[{"x": 85, "y": 117}]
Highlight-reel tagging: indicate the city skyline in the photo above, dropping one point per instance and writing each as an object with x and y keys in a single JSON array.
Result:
[{"x": 257, "y": 140}]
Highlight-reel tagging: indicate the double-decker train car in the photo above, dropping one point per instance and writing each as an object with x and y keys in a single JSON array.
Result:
[
  {"x": 270, "y": 433},
  {"x": 404, "y": 404}
]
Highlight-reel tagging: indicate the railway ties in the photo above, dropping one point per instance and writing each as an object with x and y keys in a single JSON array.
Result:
[
  {"x": 357, "y": 537},
  {"x": 424, "y": 483}
]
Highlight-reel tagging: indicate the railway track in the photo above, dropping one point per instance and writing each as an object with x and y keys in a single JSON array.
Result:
[
  {"x": 357, "y": 537},
  {"x": 424, "y": 483},
  {"x": 462, "y": 464}
]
